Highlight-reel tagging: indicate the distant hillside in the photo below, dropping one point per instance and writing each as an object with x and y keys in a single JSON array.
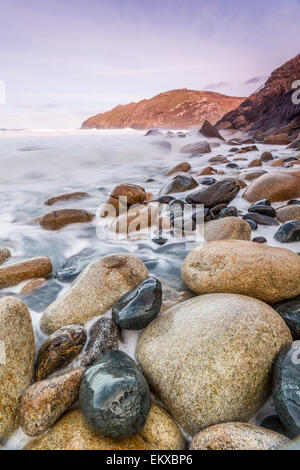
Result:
[
  {"x": 271, "y": 108},
  {"x": 173, "y": 109}
]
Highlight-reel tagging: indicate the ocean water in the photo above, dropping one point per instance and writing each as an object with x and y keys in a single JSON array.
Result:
[{"x": 38, "y": 164}]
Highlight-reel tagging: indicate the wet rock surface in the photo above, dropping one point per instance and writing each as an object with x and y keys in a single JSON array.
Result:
[
  {"x": 95, "y": 290},
  {"x": 226, "y": 229},
  {"x": 195, "y": 373},
  {"x": 178, "y": 184},
  {"x": 59, "y": 350},
  {"x": 104, "y": 336},
  {"x": 238, "y": 436},
  {"x": 4, "y": 254},
  {"x": 138, "y": 307},
  {"x": 289, "y": 310},
  {"x": 16, "y": 374},
  {"x": 61, "y": 218},
  {"x": 268, "y": 273},
  {"x": 60, "y": 392},
  {"x": 286, "y": 388},
  {"x": 13, "y": 274},
  {"x": 223, "y": 191},
  {"x": 114, "y": 396},
  {"x": 66, "y": 197},
  {"x": 288, "y": 232}
]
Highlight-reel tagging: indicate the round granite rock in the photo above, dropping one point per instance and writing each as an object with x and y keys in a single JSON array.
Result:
[
  {"x": 94, "y": 291},
  {"x": 17, "y": 349},
  {"x": 58, "y": 219},
  {"x": 72, "y": 432},
  {"x": 4, "y": 254},
  {"x": 227, "y": 228},
  {"x": 209, "y": 359},
  {"x": 289, "y": 310},
  {"x": 264, "y": 272},
  {"x": 289, "y": 212},
  {"x": 59, "y": 350},
  {"x": 13, "y": 274},
  {"x": 238, "y": 436},
  {"x": 138, "y": 307},
  {"x": 286, "y": 388},
  {"x": 60, "y": 392},
  {"x": 114, "y": 396}
]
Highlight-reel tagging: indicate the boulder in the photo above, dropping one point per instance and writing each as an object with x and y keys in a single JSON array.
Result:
[
  {"x": 238, "y": 436},
  {"x": 66, "y": 197},
  {"x": 223, "y": 191},
  {"x": 94, "y": 291},
  {"x": 58, "y": 219},
  {"x": 287, "y": 213},
  {"x": 178, "y": 184},
  {"x": 264, "y": 272},
  {"x": 182, "y": 167},
  {"x": 210, "y": 358},
  {"x": 196, "y": 148},
  {"x": 13, "y": 274},
  {"x": 275, "y": 186},
  {"x": 209, "y": 131},
  {"x": 226, "y": 229},
  {"x": 278, "y": 139}
]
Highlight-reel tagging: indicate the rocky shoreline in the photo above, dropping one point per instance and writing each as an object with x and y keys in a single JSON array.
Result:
[{"x": 209, "y": 355}]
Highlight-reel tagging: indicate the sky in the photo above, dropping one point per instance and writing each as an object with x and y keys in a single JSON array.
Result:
[{"x": 62, "y": 61}]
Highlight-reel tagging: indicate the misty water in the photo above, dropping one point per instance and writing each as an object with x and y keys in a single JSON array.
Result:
[{"x": 36, "y": 165}]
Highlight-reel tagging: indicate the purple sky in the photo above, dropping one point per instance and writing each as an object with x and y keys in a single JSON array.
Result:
[{"x": 64, "y": 60}]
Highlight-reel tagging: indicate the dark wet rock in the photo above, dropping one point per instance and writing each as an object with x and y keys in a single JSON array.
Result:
[
  {"x": 61, "y": 392},
  {"x": 39, "y": 299},
  {"x": 295, "y": 144},
  {"x": 293, "y": 202},
  {"x": 196, "y": 148},
  {"x": 138, "y": 307},
  {"x": 260, "y": 219},
  {"x": 59, "y": 350},
  {"x": 165, "y": 199},
  {"x": 289, "y": 310},
  {"x": 273, "y": 423},
  {"x": 223, "y": 191},
  {"x": 75, "y": 264},
  {"x": 252, "y": 224},
  {"x": 66, "y": 197},
  {"x": 250, "y": 148},
  {"x": 153, "y": 132},
  {"x": 286, "y": 388},
  {"x": 266, "y": 157},
  {"x": 259, "y": 240},
  {"x": 233, "y": 149},
  {"x": 178, "y": 184},
  {"x": 263, "y": 208},
  {"x": 58, "y": 219},
  {"x": 160, "y": 241},
  {"x": 215, "y": 210},
  {"x": 288, "y": 232},
  {"x": 204, "y": 215},
  {"x": 207, "y": 181},
  {"x": 230, "y": 211},
  {"x": 114, "y": 396},
  {"x": 232, "y": 165},
  {"x": 104, "y": 336},
  {"x": 210, "y": 131}
]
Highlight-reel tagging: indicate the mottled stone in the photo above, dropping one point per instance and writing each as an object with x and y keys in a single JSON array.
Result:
[
  {"x": 238, "y": 436},
  {"x": 289, "y": 310},
  {"x": 135, "y": 194},
  {"x": 264, "y": 272},
  {"x": 275, "y": 186},
  {"x": 161, "y": 432},
  {"x": 287, "y": 213},
  {"x": 59, "y": 350},
  {"x": 288, "y": 232},
  {"x": 13, "y": 274},
  {"x": 17, "y": 346},
  {"x": 114, "y": 396},
  {"x": 72, "y": 432},
  {"x": 135, "y": 309},
  {"x": 196, "y": 148},
  {"x": 278, "y": 139},
  {"x": 58, "y": 219},
  {"x": 32, "y": 286},
  {"x": 286, "y": 388},
  {"x": 136, "y": 219},
  {"x": 94, "y": 291},
  {"x": 251, "y": 175},
  {"x": 223, "y": 191},
  {"x": 4, "y": 254},
  {"x": 260, "y": 219},
  {"x": 178, "y": 184},
  {"x": 43, "y": 403},
  {"x": 209, "y": 359},
  {"x": 182, "y": 167},
  {"x": 227, "y": 228},
  {"x": 104, "y": 335},
  {"x": 66, "y": 197},
  {"x": 266, "y": 157}
]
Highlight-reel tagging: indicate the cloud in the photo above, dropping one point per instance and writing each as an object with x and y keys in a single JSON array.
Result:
[
  {"x": 254, "y": 80},
  {"x": 216, "y": 86}
]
